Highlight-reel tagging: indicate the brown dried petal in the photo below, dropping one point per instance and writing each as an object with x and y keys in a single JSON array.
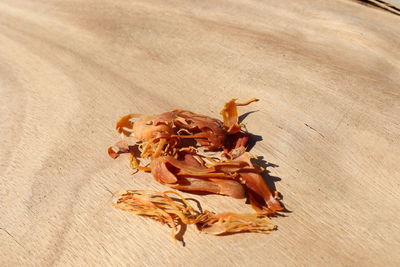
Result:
[
  {"x": 229, "y": 223},
  {"x": 260, "y": 195},
  {"x": 173, "y": 211}
]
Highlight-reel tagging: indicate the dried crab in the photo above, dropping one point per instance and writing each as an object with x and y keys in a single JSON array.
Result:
[{"x": 177, "y": 144}]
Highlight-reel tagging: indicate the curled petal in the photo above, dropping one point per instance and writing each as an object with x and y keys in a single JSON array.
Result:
[
  {"x": 229, "y": 223},
  {"x": 230, "y": 188},
  {"x": 186, "y": 177},
  {"x": 207, "y": 131},
  {"x": 161, "y": 173},
  {"x": 230, "y": 115},
  {"x": 231, "y": 118},
  {"x": 125, "y": 125},
  {"x": 146, "y": 129},
  {"x": 117, "y": 149},
  {"x": 215, "y": 186},
  {"x": 260, "y": 195}
]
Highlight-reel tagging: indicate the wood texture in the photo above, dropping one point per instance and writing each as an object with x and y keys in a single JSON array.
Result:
[{"x": 327, "y": 74}]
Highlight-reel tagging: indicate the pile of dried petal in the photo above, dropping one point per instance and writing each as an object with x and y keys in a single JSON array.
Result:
[
  {"x": 175, "y": 148},
  {"x": 175, "y": 211}
]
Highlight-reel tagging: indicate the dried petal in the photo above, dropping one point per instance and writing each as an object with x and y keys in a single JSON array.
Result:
[
  {"x": 230, "y": 115},
  {"x": 260, "y": 195},
  {"x": 231, "y": 118},
  {"x": 230, "y": 223},
  {"x": 125, "y": 124},
  {"x": 174, "y": 211},
  {"x": 119, "y": 148}
]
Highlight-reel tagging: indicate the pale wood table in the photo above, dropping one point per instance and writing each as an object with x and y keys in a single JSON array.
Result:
[{"x": 327, "y": 74}]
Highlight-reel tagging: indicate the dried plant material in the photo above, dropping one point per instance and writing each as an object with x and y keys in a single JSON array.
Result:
[
  {"x": 119, "y": 148},
  {"x": 261, "y": 197},
  {"x": 176, "y": 143},
  {"x": 229, "y": 223},
  {"x": 230, "y": 115},
  {"x": 160, "y": 207},
  {"x": 172, "y": 209}
]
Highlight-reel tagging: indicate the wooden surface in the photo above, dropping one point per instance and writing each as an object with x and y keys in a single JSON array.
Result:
[{"x": 327, "y": 74}]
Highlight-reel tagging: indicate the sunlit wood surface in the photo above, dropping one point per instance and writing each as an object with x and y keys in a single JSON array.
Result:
[{"x": 327, "y": 74}]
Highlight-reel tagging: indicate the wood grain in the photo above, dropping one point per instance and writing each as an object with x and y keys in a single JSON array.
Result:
[{"x": 327, "y": 74}]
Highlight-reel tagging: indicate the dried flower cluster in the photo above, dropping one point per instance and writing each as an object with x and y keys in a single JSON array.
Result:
[{"x": 179, "y": 149}]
